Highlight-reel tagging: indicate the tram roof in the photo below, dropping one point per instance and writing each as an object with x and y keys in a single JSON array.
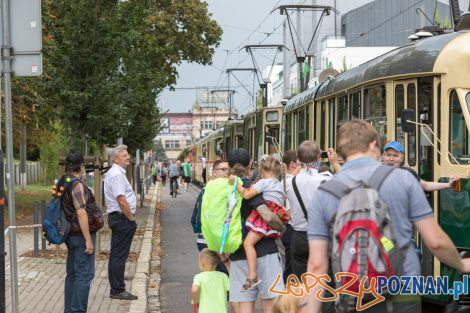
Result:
[
  {"x": 417, "y": 57},
  {"x": 301, "y": 98}
]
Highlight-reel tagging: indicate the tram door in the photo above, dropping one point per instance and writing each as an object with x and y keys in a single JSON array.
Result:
[{"x": 418, "y": 94}]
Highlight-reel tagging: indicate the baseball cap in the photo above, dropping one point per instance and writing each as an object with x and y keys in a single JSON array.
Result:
[
  {"x": 238, "y": 156},
  {"x": 395, "y": 145},
  {"x": 74, "y": 159}
]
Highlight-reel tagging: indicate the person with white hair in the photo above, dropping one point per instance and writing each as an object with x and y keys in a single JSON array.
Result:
[{"x": 121, "y": 205}]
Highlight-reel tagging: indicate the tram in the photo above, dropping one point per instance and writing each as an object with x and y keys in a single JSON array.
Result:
[{"x": 428, "y": 79}]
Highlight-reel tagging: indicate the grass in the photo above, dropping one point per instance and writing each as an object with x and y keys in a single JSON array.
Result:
[{"x": 24, "y": 200}]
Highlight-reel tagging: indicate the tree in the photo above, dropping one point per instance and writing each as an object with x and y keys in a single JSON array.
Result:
[
  {"x": 159, "y": 151},
  {"x": 110, "y": 59}
]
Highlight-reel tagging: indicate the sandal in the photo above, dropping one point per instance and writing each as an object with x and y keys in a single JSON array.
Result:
[{"x": 251, "y": 283}]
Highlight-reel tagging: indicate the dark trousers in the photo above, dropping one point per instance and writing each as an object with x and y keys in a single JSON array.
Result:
[
  {"x": 299, "y": 253},
  {"x": 123, "y": 231},
  {"x": 286, "y": 241},
  {"x": 204, "y": 175}
]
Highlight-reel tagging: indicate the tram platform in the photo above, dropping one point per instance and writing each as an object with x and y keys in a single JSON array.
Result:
[{"x": 41, "y": 279}]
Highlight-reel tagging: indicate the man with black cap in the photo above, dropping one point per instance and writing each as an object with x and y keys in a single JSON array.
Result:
[
  {"x": 269, "y": 264},
  {"x": 80, "y": 242},
  {"x": 121, "y": 205}
]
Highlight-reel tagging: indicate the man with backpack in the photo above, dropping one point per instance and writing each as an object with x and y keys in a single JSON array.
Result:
[
  {"x": 391, "y": 202},
  {"x": 78, "y": 202}
]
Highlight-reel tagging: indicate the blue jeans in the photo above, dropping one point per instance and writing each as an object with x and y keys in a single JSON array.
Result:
[
  {"x": 121, "y": 239},
  {"x": 80, "y": 272}
]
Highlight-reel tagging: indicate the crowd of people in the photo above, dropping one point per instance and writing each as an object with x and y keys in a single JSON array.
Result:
[{"x": 296, "y": 200}]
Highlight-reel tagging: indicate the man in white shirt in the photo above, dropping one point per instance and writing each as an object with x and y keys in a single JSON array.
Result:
[
  {"x": 121, "y": 206},
  {"x": 307, "y": 181}
]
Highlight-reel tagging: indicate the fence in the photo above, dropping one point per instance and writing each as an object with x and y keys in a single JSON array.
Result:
[{"x": 34, "y": 173}]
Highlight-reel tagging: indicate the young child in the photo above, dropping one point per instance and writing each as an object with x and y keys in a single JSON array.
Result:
[
  {"x": 273, "y": 194},
  {"x": 210, "y": 287}
]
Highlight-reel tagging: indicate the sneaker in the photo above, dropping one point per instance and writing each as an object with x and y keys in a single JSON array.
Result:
[
  {"x": 251, "y": 283},
  {"x": 125, "y": 295},
  {"x": 171, "y": 193}
]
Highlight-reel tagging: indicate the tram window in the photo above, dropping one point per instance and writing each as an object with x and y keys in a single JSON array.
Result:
[
  {"x": 331, "y": 123},
  {"x": 439, "y": 135},
  {"x": 307, "y": 121},
  {"x": 467, "y": 98},
  {"x": 355, "y": 105},
  {"x": 411, "y": 103},
  {"x": 459, "y": 137},
  {"x": 272, "y": 116},
  {"x": 343, "y": 111},
  {"x": 375, "y": 110},
  {"x": 426, "y": 116},
  {"x": 322, "y": 129},
  {"x": 399, "y": 106},
  {"x": 301, "y": 126},
  {"x": 295, "y": 134},
  {"x": 288, "y": 132}
]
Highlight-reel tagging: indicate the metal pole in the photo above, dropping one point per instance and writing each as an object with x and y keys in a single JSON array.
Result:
[
  {"x": 36, "y": 230},
  {"x": 6, "y": 58},
  {"x": 286, "y": 71},
  {"x": 2, "y": 234},
  {"x": 43, "y": 239}
]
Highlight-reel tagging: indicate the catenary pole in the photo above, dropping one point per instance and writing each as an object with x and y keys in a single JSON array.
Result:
[{"x": 6, "y": 58}]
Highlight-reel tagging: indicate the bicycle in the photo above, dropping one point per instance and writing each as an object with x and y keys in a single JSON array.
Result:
[{"x": 174, "y": 186}]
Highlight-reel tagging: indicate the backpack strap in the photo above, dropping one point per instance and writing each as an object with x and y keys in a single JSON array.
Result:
[
  {"x": 335, "y": 187},
  {"x": 299, "y": 198},
  {"x": 379, "y": 175}
]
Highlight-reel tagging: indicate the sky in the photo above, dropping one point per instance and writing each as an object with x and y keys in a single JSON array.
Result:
[
  {"x": 239, "y": 19},
  {"x": 244, "y": 22}
]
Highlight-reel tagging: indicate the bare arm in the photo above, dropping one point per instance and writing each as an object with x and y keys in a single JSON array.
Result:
[
  {"x": 247, "y": 193},
  {"x": 317, "y": 265},
  {"x": 83, "y": 222},
  {"x": 333, "y": 159},
  {"x": 195, "y": 294},
  {"x": 434, "y": 186},
  {"x": 125, "y": 208}
]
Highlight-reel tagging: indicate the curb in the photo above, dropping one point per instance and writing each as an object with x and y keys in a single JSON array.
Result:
[{"x": 141, "y": 277}]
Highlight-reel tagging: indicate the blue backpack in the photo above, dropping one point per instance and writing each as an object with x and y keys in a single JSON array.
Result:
[
  {"x": 196, "y": 217},
  {"x": 55, "y": 226}
]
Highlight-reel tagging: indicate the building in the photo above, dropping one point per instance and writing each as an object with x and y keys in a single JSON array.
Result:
[
  {"x": 207, "y": 119},
  {"x": 179, "y": 130},
  {"x": 175, "y": 133}
]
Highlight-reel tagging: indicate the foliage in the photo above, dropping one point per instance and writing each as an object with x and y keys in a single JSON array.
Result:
[
  {"x": 159, "y": 151},
  {"x": 183, "y": 154},
  {"x": 345, "y": 66},
  {"x": 49, "y": 155},
  {"x": 445, "y": 23},
  {"x": 107, "y": 61}
]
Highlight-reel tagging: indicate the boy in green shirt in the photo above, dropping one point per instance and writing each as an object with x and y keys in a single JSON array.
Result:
[{"x": 210, "y": 287}]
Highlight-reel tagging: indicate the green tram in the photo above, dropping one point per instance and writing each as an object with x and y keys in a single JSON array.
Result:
[
  {"x": 431, "y": 78},
  {"x": 233, "y": 136},
  {"x": 262, "y": 131}
]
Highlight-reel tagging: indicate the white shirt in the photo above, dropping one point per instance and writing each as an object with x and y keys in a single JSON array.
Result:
[
  {"x": 203, "y": 159},
  {"x": 115, "y": 185},
  {"x": 307, "y": 183}
]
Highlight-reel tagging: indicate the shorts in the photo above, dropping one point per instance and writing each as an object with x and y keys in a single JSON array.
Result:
[
  {"x": 187, "y": 179},
  {"x": 269, "y": 267}
]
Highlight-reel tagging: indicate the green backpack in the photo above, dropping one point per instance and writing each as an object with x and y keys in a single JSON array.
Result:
[{"x": 213, "y": 213}]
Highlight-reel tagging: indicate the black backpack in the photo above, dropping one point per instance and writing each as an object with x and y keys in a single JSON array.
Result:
[{"x": 196, "y": 216}]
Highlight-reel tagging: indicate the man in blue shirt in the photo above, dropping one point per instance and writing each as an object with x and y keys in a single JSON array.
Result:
[{"x": 359, "y": 145}]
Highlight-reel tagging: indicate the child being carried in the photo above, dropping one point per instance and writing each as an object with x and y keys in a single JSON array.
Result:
[{"x": 271, "y": 188}]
